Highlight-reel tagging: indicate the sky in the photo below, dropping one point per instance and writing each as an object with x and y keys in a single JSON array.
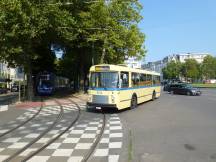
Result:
[{"x": 178, "y": 26}]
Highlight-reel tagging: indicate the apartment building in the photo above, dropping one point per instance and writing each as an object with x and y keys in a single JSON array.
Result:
[
  {"x": 10, "y": 74},
  {"x": 181, "y": 57},
  {"x": 133, "y": 62}
]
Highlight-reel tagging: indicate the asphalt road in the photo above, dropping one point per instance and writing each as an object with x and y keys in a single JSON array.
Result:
[{"x": 173, "y": 128}]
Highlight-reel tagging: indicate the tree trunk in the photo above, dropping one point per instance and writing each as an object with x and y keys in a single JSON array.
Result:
[
  {"x": 103, "y": 56},
  {"x": 30, "y": 93}
]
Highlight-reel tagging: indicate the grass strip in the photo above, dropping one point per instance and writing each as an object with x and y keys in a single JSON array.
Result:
[{"x": 200, "y": 85}]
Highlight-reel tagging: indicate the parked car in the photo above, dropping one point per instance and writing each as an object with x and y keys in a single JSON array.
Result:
[
  {"x": 3, "y": 90},
  {"x": 172, "y": 86},
  {"x": 184, "y": 89},
  {"x": 14, "y": 88}
]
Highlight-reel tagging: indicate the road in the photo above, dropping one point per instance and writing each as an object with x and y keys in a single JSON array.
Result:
[{"x": 174, "y": 128}]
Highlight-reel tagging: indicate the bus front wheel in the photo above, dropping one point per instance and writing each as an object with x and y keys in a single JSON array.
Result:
[{"x": 133, "y": 102}]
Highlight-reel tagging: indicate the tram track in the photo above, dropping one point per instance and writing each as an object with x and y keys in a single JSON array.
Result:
[
  {"x": 14, "y": 157},
  {"x": 57, "y": 137},
  {"x": 58, "y": 118},
  {"x": 99, "y": 136},
  {"x": 90, "y": 151},
  {"x": 94, "y": 145},
  {"x": 23, "y": 123}
]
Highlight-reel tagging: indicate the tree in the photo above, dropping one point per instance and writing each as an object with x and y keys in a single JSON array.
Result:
[
  {"x": 24, "y": 24},
  {"x": 209, "y": 67},
  {"x": 191, "y": 69},
  {"x": 116, "y": 29},
  {"x": 107, "y": 32},
  {"x": 89, "y": 32},
  {"x": 172, "y": 70}
]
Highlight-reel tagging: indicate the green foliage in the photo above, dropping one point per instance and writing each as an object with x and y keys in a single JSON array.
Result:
[
  {"x": 191, "y": 69},
  {"x": 111, "y": 27},
  {"x": 172, "y": 70},
  {"x": 89, "y": 32},
  {"x": 26, "y": 27},
  {"x": 209, "y": 67},
  {"x": 106, "y": 33}
]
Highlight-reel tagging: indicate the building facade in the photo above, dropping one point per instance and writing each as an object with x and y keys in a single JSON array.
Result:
[
  {"x": 4, "y": 71},
  {"x": 133, "y": 62},
  {"x": 197, "y": 56},
  {"x": 10, "y": 75},
  {"x": 159, "y": 65}
]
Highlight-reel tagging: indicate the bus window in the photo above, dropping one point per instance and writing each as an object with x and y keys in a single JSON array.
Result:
[
  {"x": 149, "y": 80},
  {"x": 142, "y": 79},
  {"x": 124, "y": 80},
  {"x": 135, "y": 79},
  {"x": 157, "y": 79},
  {"x": 104, "y": 80},
  {"x": 154, "y": 79}
]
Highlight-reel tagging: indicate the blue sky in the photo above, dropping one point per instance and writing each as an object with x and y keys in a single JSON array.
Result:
[{"x": 176, "y": 26}]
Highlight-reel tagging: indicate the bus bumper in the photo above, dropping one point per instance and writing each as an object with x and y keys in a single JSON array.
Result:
[{"x": 100, "y": 106}]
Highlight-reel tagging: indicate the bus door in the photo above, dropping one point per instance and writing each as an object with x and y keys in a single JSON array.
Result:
[{"x": 124, "y": 97}]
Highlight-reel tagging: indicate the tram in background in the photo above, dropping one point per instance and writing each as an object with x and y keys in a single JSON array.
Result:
[
  {"x": 114, "y": 86},
  {"x": 47, "y": 83}
]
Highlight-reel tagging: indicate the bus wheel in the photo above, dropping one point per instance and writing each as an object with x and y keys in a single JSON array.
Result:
[
  {"x": 133, "y": 102},
  {"x": 153, "y": 96}
]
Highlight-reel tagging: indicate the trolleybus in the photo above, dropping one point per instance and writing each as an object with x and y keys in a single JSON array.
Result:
[{"x": 115, "y": 86}]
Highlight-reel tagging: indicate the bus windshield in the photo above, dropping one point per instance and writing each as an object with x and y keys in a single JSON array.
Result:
[{"x": 104, "y": 80}]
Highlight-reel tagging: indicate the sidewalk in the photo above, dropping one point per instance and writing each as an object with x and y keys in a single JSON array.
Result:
[
  {"x": 7, "y": 99},
  {"x": 49, "y": 102},
  {"x": 81, "y": 95}
]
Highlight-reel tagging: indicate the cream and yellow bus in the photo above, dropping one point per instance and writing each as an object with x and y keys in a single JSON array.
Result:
[{"x": 116, "y": 86}]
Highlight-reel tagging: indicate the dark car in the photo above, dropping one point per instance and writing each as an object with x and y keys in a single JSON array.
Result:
[
  {"x": 184, "y": 89},
  {"x": 3, "y": 90},
  {"x": 171, "y": 83},
  {"x": 166, "y": 87},
  {"x": 15, "y": 88}
]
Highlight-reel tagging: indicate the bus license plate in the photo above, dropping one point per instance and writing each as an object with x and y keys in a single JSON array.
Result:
[{"x": 98, "y": 108}]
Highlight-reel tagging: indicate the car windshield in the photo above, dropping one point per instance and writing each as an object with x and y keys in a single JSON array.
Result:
[{"x": 104, "y": 80}]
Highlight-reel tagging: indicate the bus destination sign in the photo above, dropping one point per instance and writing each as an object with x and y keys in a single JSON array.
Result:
[{"x": 102, "y": 68}]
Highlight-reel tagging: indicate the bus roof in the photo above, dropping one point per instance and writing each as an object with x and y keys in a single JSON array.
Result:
[{"x": 109, "y": 67}]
